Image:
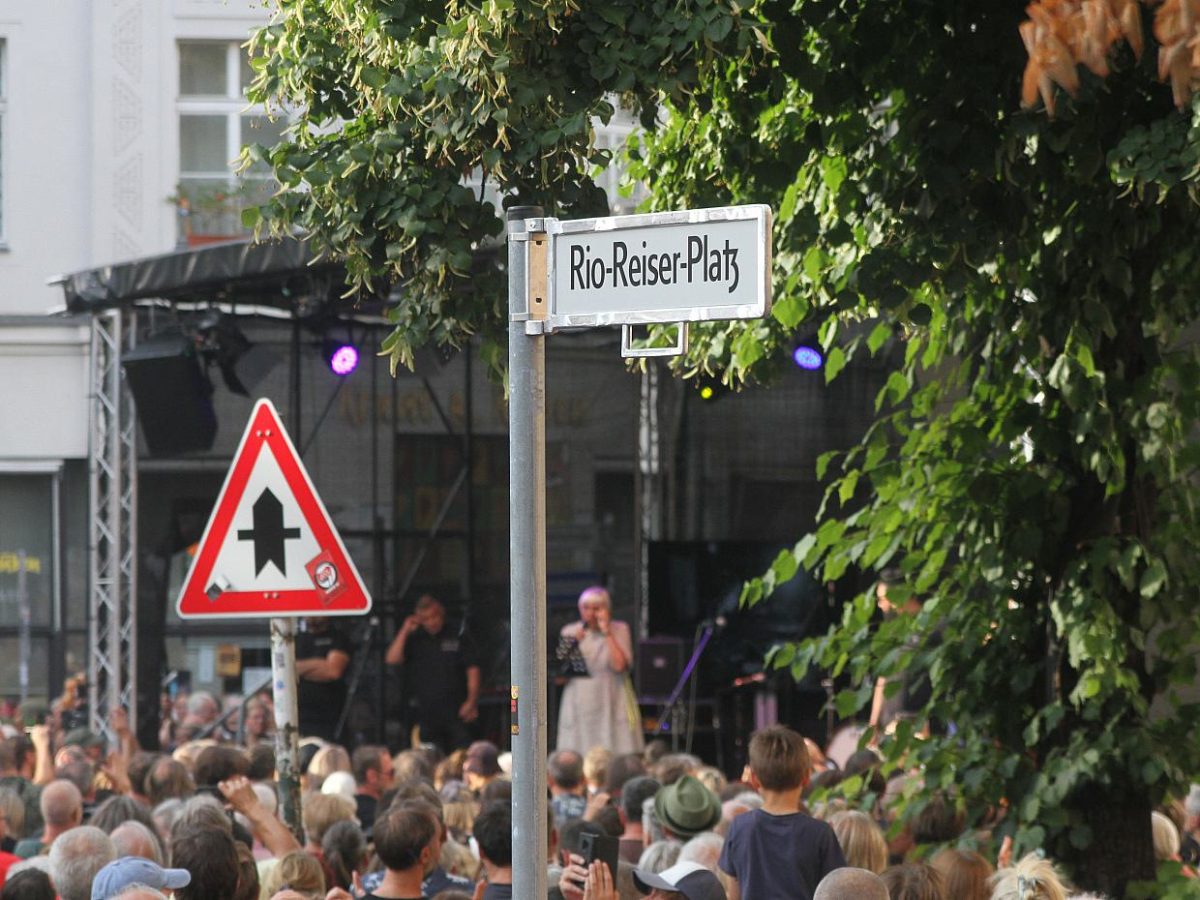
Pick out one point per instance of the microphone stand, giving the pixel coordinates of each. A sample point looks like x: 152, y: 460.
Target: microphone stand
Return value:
x: 705, y: 630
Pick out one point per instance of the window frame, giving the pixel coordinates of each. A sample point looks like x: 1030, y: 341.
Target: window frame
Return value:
x: 54, y: 633
x: 234, y: 108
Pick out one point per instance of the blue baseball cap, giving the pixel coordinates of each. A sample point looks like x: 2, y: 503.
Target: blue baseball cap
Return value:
x: 120, y: 873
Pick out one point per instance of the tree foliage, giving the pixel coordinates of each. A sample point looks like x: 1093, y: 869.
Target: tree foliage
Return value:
x: 1032, y: 468
x: 396, y: 103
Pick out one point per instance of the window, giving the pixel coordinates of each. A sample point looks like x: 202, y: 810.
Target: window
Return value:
x: 28, y: 590
x: 214, y: 124
x: 613, y: 137
x: 3, y: 128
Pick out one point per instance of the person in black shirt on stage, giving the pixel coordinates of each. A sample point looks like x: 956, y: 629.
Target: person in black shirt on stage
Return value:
x: 322, y: 656
x: 444, y: 675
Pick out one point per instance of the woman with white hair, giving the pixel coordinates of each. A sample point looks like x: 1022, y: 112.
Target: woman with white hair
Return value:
x: 599, y: 709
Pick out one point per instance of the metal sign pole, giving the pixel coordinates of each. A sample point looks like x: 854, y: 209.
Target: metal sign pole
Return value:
x: 287, y: 722
x: 527, y: 304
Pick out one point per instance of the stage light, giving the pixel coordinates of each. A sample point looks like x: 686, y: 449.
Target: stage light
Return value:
x: 808, y: 356
x: 243, y: 365
x: 343, y: 359
x: 710, y: 389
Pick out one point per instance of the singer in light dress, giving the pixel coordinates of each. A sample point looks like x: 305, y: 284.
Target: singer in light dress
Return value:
x: 600, y: 709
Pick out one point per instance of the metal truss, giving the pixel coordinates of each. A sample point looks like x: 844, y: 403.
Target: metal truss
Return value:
x: 112, y: 500
x: 648, y: 482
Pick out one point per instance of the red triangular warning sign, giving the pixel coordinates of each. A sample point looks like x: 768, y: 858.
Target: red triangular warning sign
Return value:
x: 270, y: 548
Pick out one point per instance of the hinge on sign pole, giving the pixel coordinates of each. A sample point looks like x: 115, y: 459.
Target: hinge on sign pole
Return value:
x: 677, y: 349
x: 539, y: 301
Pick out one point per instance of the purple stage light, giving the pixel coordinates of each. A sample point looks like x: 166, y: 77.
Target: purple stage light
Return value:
x: 344, y: 360
x: 808, y: 358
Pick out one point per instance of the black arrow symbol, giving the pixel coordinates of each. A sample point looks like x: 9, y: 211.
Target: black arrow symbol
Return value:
x: 268, y: 533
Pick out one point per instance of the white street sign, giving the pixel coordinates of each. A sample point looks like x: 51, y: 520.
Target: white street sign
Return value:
x: 691, y: 266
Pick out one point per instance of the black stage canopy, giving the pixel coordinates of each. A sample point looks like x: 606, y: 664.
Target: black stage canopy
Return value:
x: 272, y: 273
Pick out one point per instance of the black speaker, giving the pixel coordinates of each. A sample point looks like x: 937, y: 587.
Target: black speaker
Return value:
x: 659, y: 664
x: 172, y: 394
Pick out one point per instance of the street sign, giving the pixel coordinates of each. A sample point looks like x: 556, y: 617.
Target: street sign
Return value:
x: 270, y: 548
x: 691, y: 266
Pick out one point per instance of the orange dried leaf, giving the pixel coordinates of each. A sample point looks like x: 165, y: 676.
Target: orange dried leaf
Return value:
x: 1129, y: 17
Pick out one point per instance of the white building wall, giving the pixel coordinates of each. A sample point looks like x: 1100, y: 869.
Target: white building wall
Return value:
x: 43, y: 391
x: 88, y: 159
x: 46, y: 152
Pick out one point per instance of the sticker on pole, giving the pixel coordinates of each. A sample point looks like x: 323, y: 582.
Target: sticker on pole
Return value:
x: 270, y: 548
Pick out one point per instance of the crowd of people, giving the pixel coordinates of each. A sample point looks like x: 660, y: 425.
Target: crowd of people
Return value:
x: 81, y: 819
x: 78, y: 822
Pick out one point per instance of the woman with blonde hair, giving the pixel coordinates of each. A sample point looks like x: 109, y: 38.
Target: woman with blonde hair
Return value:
x: 12, y: 815
x: 298, y: 871
x: 965, y: 873
x: 459, y: 816
x: 1031, y: 878
x: 862, y: 841
x: 329, y: 759
x: 595, y: 768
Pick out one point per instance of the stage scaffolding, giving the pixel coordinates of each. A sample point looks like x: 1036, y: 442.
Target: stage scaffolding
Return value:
x: 112, y: 527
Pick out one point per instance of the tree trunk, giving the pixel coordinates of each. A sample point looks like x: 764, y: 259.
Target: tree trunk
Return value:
x: 1122, y: 846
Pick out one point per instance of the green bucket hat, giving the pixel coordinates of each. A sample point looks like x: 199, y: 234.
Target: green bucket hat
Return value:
x: 687, y: 807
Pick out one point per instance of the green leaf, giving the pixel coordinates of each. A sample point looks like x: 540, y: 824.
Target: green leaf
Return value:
x: 847, y: 487
x: 790, y: 311
x: 897, y: 387
x: 1153, y: 579
x: 785, y: 566
x: 752, y: 593
x: 719, y: 28
x: 1083, y: 353
x: 803, y: 547
x: 835, y: 361
x: 1089, y: 687
x: 374, y: 77
x: 833, y: 173
x: 879, y: 334
x: 846, y: 703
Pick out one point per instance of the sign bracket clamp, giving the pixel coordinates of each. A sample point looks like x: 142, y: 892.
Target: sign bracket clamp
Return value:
x: 628, y: 351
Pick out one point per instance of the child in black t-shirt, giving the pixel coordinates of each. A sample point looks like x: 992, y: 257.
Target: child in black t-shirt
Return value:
x: 778, y: 851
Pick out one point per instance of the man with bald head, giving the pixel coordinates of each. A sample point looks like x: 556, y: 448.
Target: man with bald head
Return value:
x: 62, y: 809
x: 851, y: 884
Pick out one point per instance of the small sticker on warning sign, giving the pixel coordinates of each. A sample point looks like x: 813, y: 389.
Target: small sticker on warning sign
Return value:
x: 325, y: 577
